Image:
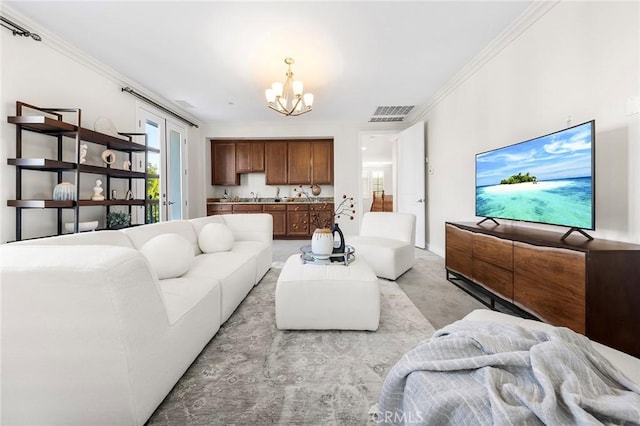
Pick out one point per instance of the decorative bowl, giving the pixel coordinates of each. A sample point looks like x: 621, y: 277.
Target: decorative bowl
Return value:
x: 82, y: 226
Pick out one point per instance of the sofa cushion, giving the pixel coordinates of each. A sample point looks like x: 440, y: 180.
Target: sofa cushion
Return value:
x: 139, y: 235
x: 215, y: 237
x: 180, y: 295
x: 170, y: 255
x: 234, y: 270
x: 388, y: 258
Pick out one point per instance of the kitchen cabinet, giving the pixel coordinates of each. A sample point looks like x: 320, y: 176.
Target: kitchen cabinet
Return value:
x: 290, y: 220
x: 247, y: 208
x: 279, y: 214
x: 213, y: 209
x: 284, y: 162
x: 250, y: 157
x: 310, y: 162
x: 298, y: 220
x: 299, y: 162
x: 275, y: 159
x: 223, y: 163
x: 321, y: 215
x: 322, y: 162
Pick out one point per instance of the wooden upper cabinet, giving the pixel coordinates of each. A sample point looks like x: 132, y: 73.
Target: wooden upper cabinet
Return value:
x: 299, y: 162
x: 322, y: 162
x: 223, y: 164
x: 290, y: 162
x: 275, y: 161
x: 249, y: 156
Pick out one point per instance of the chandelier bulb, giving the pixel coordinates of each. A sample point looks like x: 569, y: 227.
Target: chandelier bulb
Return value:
x: 277, y: 88
x: 297, y: 87
x: 308, y: 99
x: 270, y: 95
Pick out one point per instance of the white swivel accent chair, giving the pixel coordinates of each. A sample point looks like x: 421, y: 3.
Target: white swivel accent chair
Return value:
x: 386, y: 242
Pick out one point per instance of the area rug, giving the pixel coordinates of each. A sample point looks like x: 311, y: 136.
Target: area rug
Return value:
x: 251, y: 373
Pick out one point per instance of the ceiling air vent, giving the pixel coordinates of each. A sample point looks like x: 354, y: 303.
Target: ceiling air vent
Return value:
x: 183, y: 103
x: 391, y: 113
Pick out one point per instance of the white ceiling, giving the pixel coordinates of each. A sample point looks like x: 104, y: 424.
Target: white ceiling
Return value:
x: 220, y: 56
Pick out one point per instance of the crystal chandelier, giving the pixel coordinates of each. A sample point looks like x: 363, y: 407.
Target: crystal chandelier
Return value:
x: 287, y: 98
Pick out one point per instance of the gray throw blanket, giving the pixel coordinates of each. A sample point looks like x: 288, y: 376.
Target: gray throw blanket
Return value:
x: 474, y: 372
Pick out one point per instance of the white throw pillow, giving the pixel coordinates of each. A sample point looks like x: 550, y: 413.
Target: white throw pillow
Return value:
x: 170, y: 255
x: 215, y: 237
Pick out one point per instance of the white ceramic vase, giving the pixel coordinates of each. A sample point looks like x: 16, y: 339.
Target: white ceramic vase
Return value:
x: 322, y: 243
x: 64, y: 191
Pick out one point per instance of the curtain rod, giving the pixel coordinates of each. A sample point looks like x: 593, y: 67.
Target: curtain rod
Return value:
x: 157, y: 105
x: 17, y: 29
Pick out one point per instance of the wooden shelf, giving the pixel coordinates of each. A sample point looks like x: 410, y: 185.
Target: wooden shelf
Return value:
x: 111, y: 203
x: 110, y: 141
x: 50, y: 126
x: 51, y: 204
x: 40, y: 204
x: 42, y: 164
x: 45, y: 164
x: 42, y: 124
x: 118, y: 173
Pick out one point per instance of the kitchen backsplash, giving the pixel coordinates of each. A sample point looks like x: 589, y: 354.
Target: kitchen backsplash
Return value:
x: 255, y: 182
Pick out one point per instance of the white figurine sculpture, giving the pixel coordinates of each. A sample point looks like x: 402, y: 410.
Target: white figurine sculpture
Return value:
x: 97, y: 191
x: 83, y: 153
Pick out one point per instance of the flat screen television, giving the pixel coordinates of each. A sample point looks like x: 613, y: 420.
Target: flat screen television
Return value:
x: 549, y: 179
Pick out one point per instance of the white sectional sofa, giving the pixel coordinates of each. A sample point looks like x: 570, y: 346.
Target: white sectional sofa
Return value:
x: 95, y: 330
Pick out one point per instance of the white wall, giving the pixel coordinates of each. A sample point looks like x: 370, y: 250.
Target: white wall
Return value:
x: 578, y: 60
x: 39, y: 73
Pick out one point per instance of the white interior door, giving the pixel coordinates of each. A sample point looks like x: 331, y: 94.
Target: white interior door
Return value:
x: 411, y: 178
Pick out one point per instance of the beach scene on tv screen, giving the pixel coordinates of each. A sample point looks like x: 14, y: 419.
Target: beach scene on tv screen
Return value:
x: 546, y: 180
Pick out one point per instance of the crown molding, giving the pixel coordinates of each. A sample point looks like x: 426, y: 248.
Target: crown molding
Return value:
x: 81, y: 57
x: 536, y: 10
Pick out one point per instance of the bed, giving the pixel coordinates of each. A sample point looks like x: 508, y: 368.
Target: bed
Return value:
x: 493, y: 368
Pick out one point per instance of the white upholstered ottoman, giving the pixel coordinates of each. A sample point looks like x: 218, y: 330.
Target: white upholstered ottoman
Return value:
x: 327, y: 297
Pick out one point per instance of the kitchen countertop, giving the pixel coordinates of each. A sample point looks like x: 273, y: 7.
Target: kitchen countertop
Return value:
x: 296, y: 200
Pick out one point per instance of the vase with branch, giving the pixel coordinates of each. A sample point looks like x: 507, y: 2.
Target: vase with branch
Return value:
x: 324, y: 242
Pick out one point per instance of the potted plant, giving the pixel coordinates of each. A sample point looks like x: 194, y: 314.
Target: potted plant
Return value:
x: 118, y: 220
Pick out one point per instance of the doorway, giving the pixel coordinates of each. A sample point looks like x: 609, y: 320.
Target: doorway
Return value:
x: 393, y: 164
x: 167, y: 188
x: 378, y: 154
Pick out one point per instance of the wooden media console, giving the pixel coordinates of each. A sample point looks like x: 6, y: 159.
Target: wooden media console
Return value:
x: 590, y: 286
